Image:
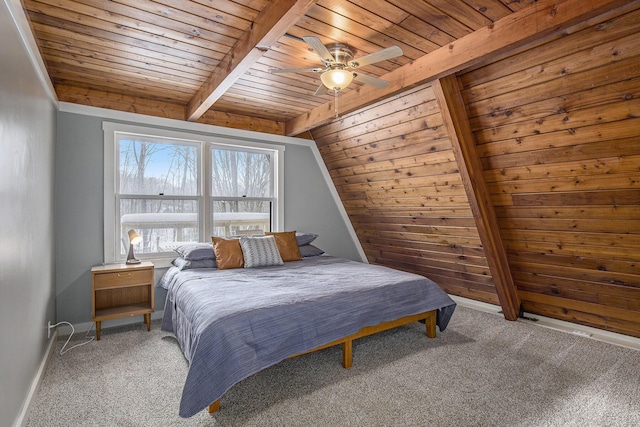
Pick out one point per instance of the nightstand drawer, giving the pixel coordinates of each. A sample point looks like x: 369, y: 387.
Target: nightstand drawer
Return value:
x: 122, y: 278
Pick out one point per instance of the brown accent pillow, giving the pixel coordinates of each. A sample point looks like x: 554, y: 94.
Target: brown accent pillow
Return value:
x: 287, y: 245
x: 228, y: 253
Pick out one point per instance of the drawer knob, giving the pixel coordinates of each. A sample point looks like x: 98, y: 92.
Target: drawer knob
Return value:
x: 124, y: 274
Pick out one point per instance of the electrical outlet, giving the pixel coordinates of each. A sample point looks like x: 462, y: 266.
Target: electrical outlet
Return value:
x: 49, y: 329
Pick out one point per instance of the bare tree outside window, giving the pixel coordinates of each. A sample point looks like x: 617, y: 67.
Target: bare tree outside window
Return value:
x: 241, y: 183
x: 148, y: 167
x: 159, y: 192
x: 160, y: 170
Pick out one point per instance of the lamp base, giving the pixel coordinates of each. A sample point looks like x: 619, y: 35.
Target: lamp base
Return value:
x: 131, y: 258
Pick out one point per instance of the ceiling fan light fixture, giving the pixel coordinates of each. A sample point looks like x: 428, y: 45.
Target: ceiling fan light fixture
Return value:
x: 336, y: 79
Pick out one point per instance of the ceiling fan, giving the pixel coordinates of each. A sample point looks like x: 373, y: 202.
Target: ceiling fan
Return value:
x: 338, y: 61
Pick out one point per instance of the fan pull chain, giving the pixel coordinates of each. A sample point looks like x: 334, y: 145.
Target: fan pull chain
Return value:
x: 335, y: 91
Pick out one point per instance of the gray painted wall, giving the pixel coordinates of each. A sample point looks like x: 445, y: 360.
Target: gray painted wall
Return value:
x: 309, y: 206
x: 27, y: 289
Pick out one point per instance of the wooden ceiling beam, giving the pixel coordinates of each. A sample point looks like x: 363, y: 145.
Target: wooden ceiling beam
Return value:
x: 454, y: 114
x: 270, y: 25
x: 540, y: 20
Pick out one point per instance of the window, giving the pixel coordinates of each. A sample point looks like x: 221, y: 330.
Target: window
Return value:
x: 241, y: 191
x: 158, y: 191
x: 174, y: 188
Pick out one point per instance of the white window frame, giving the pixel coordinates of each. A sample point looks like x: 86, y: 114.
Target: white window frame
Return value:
x: 111, y: 197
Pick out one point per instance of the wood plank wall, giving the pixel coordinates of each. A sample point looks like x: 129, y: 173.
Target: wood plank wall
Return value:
x: 393, y: 166
x: 557, y: 128
x: 558, y: 131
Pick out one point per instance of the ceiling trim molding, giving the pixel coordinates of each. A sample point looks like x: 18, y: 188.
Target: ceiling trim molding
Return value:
x: 143, y: 119
x: 270, y: 25
x: 24, y: 29
x: 536, y: 22
x: 338, y: 201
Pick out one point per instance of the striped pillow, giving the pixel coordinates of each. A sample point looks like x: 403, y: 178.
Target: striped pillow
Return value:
x: 260, y: 251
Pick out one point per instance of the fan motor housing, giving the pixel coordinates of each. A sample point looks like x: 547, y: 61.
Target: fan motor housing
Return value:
x: 342, y: 53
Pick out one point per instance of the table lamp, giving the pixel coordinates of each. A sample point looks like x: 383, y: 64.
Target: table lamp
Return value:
x: 134, y: 239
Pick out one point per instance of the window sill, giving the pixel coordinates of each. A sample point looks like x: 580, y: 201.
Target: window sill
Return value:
x: 163, y: 262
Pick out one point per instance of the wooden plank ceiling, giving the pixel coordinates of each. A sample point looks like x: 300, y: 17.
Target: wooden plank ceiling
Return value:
x: 209, y: 61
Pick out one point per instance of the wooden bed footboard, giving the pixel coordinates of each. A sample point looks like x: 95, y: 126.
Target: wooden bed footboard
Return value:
x: 429, y: 318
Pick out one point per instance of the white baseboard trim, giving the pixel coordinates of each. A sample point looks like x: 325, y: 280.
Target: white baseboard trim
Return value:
x: 477, y: 305
x: 23, y: 417
x: 64, y: 330
x: 556, y: 324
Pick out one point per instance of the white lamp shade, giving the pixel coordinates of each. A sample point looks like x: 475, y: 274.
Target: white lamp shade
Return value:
x: 336, y: 79
x: 134, y: 237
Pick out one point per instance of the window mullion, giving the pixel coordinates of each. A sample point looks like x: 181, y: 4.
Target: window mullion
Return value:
x: 205, y: 191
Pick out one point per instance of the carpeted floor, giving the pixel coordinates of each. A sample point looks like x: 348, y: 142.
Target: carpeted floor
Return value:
x: 482, y: 371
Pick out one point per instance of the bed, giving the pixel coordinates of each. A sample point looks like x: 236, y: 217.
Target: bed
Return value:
x: 231, y: 324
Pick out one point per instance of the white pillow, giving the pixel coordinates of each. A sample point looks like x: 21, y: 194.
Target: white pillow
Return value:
x: 260, y: 251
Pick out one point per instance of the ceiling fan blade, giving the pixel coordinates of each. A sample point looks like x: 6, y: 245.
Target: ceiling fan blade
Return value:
x: 296, y: 70
x: 370, y: 80
x: 372, y: 58
x: 321, y: 90
x: 320, y: 49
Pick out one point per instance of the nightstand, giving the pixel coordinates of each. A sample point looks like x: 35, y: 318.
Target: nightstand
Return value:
x: 121, y: 290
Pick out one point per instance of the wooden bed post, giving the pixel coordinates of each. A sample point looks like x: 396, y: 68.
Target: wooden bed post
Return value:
x: 430, y: 323
x: 214, y: 407
x: 347, y: 354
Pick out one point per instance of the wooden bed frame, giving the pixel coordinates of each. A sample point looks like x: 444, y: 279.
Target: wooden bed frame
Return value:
x: 429, y: 318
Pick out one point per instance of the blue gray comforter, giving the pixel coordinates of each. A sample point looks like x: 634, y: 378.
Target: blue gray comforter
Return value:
x: 231, y: 324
